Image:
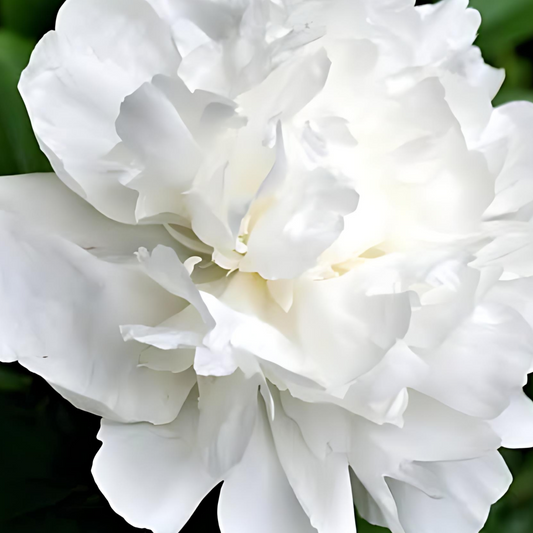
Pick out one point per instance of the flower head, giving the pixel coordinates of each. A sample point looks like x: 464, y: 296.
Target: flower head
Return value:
x: 290, y: 249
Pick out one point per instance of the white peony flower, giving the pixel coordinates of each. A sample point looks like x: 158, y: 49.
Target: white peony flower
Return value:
x: 289, y: 247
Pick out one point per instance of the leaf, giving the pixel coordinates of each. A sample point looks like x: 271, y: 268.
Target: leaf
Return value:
x: 513, y: 94
x: 19, y: 151
x: 364, y: 527
x: 506, y: 23
x: 32, y: 18
x: 11, y: 381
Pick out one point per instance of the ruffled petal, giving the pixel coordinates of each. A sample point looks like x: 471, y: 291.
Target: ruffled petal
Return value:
x: 60, y: 313
x: 439, y: 457
x: 44, y: 201
x: 155, y: 135
x: 256, y: 496
x: 153, y: 476
x: 288, y: 239
x: 481, y: 363
x: 165, y: 268
x: 480, y: 482
x: 322, y: 485
x: 505, y: 146
x: 78, y: 76
x: 515, y: 424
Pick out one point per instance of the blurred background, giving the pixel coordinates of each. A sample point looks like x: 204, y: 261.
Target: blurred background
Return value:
x: 47, y: 446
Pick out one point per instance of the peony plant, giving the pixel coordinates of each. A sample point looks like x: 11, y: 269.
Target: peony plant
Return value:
x: 288, y: 246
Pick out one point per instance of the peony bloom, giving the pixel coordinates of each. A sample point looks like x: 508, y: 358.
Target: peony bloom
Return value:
x: 288, y: 246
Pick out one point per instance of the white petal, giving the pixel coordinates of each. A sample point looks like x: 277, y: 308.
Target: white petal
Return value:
x: 288, y: 239
x: 509, y: 157
x: 164, y: 267
x: 468, y: 488
x: 479, y: 366
x: 381, y: 394
x: 516, y: 294
x: 167, y: 360
x: 44, y: 201
x: 515, y: 424
x: 168, y: 156
x: 214, y: 363
x: 238, y: 332
x: 282, y: 291
x: 289, y: 88
x: 434, y: 444
x: 322, y: 485
x: 153, y: 476
x: 335, y: 318
x: 510, y: 247
x: 186, y: 329
x: 78, y: 76
x: 445, y: 304
x: 256, y: 496
x: 450, y: 25
x: 60, y: 313
x: 160, y: 337
x: 228, y: 408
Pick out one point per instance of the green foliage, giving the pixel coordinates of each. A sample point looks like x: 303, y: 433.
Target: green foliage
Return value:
x: 31, y: 18
x: 506, y: 23
x: 506, y: 39
x: 19, y: 152
x: 47, y: 446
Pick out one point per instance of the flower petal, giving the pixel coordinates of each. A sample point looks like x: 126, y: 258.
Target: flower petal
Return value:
x: 153, y: 476
x: 101, y: 51
x: 256, y: 496
x: 44, y: 201
x: 165, y: 268
x: 60, y: 312
x: 154, y: 133
x: 480, y: 482
x: 228, y: 410
x: 515, y: 424
x: 426, y: 458
x: 322, y: 485
x: 481, y: 363
x: 289, y: 237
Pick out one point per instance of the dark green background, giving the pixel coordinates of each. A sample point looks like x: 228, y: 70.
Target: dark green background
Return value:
x: 47, y: 446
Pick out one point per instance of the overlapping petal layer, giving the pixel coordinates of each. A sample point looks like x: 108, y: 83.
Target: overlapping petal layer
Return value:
x: 296, y: 258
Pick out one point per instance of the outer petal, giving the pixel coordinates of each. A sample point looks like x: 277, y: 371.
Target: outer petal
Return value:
x: 153, y: 476
x: 479, y: 366
x: 46, y: 203
x: 60, y: 312
x: 508, y: 153
x: 427, y: 458
x: 515, y: 424
x: 427, y: 454
x: 256, y: 496
x: 78, y: 76
x: 322, y: 485
x: 468, y: 488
